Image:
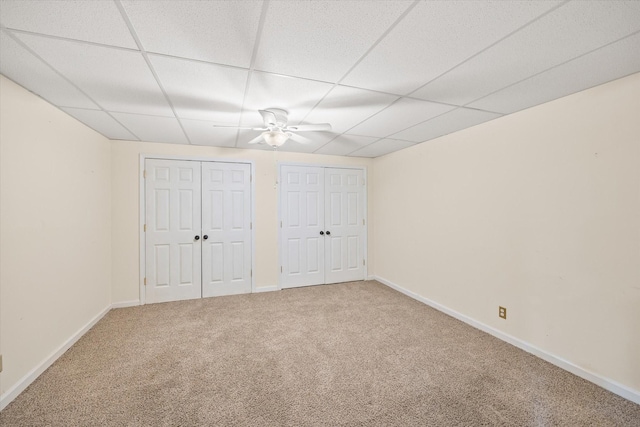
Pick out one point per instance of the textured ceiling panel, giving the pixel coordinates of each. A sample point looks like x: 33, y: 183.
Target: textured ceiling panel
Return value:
x: 382, y: 147
x: 25, y: 69
x: 218, y: 31
x: 436, y: 36
x: 153, y: 128
x: 101, y: 122
x: 297, y: 96
x: 571, y: 30
x: 307, y: 142
x: 322, y: 39
x: 405, y: 66
x: 345, y: 144
x: 345, y: 107
x: 200, y: 90
x: 452, y: 121
x: 604, y: 65
x: 204, y: 133
x: 399, y: 116
x: 116, y: 79
x: 93, y: 21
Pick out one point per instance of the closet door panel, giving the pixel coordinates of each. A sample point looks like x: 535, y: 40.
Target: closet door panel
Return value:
x: 302, y: 213
x: 226, y: 221
x: 344, y: 220
x: 173, y: 210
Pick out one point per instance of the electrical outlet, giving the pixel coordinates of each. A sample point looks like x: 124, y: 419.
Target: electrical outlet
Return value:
x: 502, y: 312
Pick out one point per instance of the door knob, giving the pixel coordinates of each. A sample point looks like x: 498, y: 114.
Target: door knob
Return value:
x: 205, y: 237
x: 197, y: 237
x: 328, y: 233
x: 322, y: 233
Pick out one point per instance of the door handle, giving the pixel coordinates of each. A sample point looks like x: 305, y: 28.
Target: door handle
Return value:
x: 197, y: 237
x: 322, y: 233
x: 205, y: 237
x: 328, y: 233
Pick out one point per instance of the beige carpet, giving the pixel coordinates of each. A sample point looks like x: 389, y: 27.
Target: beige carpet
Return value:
x: 348, y: 354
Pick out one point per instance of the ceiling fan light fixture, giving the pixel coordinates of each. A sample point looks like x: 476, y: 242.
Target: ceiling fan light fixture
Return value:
x: 275, y: 138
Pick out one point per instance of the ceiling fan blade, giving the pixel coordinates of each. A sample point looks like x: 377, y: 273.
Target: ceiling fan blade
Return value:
x: 268, y: 117
x: 300, y: 139
x: 257, y: 140
x: 310, y: 127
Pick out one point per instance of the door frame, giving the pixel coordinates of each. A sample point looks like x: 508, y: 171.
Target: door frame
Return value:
x: 142, y: 211
x: 364, y: 213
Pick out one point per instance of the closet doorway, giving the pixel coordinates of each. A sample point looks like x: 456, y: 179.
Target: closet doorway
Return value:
x: 322, y: 225
x: 197, y: 229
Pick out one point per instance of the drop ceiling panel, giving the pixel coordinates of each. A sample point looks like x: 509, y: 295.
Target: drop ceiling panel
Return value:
x: 450, y: 122
x: 101, y: 122
x: 116, y: 79
x: 201, y: 90
x: 399, y: 116
x: 345, y: 107
x: 345, y: 144
x: 94, y: 21
x: 22, y: 67
x: 310, y: 143
x: 153, y: 128
x: 604, y: 65
x: 571, y: 30
x: 322, y: 39
x: 297, y: 96
x: 218, y: 31
x: 435, y: 37
x: 204, y: 133
x: 382, y: 147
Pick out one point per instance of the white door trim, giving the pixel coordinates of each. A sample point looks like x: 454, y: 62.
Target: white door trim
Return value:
x: 142, y: 214
x: 365, y: 213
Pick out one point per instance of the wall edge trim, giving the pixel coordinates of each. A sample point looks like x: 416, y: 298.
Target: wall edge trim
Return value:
x: 606, y: 383
x: 24, y: 382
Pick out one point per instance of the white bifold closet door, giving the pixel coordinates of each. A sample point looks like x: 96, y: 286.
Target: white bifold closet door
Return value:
x: 323, y: 225
x: 198, y: 229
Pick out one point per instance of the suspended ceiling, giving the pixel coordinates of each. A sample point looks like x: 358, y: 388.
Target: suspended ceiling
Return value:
x: 386, y: 74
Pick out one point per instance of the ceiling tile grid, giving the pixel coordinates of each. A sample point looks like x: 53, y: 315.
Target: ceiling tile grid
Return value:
x: 381, y: 147
x: 153, y: 128
x: 452, y: 121
x: 565, y: 33
x: 91, y: 21
x: 101, y: 122
x: 118, y: 80
x: 568, y: 78
x: 297, y: 35
x: 437, y: 36
x: 385, y: 74
x: 18, y: 64
x: 222, y: 32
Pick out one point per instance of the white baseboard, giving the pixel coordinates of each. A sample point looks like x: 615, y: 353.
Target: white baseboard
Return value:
x: 123, y: 304
x: 8, y: 396
x: 606, y: 383
x: 266, y: 289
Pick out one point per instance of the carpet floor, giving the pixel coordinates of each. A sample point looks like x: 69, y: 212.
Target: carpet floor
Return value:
x: 352, y: 354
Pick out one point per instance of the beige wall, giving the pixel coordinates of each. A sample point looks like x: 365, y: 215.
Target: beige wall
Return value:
x: 55, y: 229
x: 539, y: 212
x: 125, y: 161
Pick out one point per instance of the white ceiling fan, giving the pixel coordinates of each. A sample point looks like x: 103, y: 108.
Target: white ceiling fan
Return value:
x: 276, y: 131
